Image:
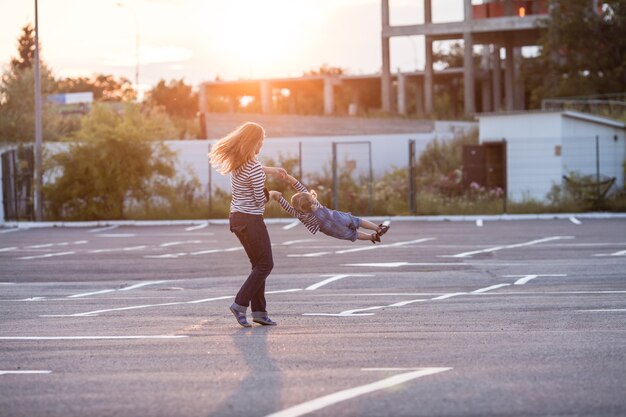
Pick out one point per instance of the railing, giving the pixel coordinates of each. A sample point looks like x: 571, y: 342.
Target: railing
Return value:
x: 608, y: 105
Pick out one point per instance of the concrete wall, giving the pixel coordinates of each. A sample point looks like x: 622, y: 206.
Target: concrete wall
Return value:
x: 388, y: 152
x: 532, y: 167
x: 579, y: 149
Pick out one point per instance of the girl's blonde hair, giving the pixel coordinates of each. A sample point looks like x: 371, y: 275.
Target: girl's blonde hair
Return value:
x: 304, y: 202
x: 237, y: 148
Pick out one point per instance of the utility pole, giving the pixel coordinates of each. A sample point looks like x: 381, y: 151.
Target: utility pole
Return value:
x: 38, y: 129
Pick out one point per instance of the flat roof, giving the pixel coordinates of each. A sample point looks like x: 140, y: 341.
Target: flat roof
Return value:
x: 565, y: 113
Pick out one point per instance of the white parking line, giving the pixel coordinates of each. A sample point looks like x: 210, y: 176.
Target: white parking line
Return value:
x: 493, y: 287
x: 49, y: 245
x: 399, y: 264
x: 47, y: 255
x: 91, y: 337
x: 130, y: 248
x: 293, y: 242
x: 8, y: 249
x: 102, y: 229
x: 340, y: 396
x: 362, y: 248
x: 204, y: 252
x: 497, y: 248
x: 479, y: 222
x: 619, y: 253
x: 118, y: 235
x: 24, y: 372
x: 525, y: 278
x: 606, y: 310
x: 334, y: 278
x: 574, y: 220
x: 165, y: 245
x: 307, y: 255
x: 200, y: 226
x: 138, y: 307
x: 291, y: 225
x: 129, y: 288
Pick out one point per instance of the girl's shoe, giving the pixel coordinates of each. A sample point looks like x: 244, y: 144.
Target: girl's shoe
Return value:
x: 375, y: 237
x: 241, y: 317
x: 265, y: 321
x: 382, y: 229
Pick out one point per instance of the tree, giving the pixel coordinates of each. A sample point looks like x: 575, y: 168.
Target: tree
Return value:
x: 26, y: 49
x: 582, y: 51
x: 104, y: 87
x: 176, y: 97
x: 180, y: 103
x: 17, y: 96
x: 111, y: 164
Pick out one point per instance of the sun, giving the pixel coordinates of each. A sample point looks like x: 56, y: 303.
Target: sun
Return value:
x: 261, y: 35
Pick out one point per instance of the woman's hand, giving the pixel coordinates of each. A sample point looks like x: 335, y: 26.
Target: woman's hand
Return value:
x: 276, y: 171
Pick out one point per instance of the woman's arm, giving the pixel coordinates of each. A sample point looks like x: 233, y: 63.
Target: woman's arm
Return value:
x: 276, y: 171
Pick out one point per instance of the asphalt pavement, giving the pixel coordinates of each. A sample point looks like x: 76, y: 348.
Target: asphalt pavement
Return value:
x: 493, y: 318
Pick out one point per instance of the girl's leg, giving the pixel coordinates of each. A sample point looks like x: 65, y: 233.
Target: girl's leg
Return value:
x: 368, y: 225
x: 368, y: 236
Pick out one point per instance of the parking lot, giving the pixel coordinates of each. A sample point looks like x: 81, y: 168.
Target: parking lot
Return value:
x: 458, y: 318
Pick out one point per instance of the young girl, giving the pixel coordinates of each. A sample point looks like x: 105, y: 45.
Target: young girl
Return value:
x: 236, y: 154
x: 316, y: 217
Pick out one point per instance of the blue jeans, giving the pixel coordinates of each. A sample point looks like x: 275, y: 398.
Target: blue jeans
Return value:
x: 251, y: 231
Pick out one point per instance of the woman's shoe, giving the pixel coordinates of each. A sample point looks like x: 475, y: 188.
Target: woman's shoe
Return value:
x: 265, y: 321
x: 382, y: 229
x: 375, y: 237
x: 241, y: 317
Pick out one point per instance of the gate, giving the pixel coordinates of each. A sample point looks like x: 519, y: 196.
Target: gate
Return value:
x: 17, y: 183
x: 355, y: 160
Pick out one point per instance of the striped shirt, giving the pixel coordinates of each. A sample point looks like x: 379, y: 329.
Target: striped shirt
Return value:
x: 247, y: 183
x: 307, y: 219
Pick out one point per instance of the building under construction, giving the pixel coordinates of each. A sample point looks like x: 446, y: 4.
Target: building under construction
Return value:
x: 500, y: 27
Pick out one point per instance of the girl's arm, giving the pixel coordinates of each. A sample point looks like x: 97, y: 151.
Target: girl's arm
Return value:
x: 297, y: 185
x: 275, y: 195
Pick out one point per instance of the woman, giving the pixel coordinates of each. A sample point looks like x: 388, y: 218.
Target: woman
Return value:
x: 236, y: 154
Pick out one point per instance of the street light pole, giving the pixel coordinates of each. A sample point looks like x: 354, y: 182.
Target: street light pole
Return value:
x: 38, y: 129
x: 136, y: 44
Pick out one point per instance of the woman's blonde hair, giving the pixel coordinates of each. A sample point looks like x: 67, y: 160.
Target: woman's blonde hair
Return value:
x: 237, y: 148
x: 304, y: 202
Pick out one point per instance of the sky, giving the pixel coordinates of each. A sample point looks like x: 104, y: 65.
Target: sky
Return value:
x: 199, y: 40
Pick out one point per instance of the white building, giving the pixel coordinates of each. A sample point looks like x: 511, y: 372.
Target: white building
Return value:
x: 542, y: 147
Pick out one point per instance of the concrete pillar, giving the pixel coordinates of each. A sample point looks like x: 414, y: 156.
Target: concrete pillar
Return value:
x: 497, y: 78
x: 386, y: 75
x: 517, y: 83
x: 508, y: 8
x: 468, y: 75
x: 202, y: 104
x: 486, y: 83
x: 468, y: 62
x: 428, y: 65
x: 266, y: 97
x: 401, y: 93
x: 419, y: 98
x: 509, y: 76
x: 329, y: 96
